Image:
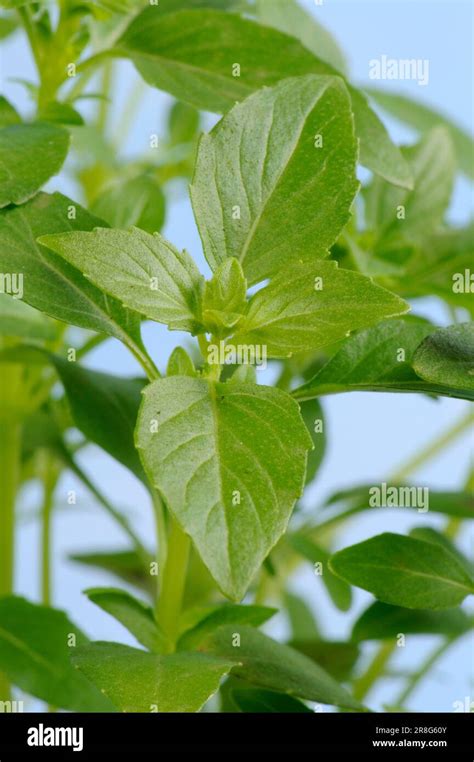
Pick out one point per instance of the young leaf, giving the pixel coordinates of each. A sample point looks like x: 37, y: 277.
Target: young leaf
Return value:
x: 136, y: 616
x: 302, y: 621
x: 262, y: 167
x: 262, y: 702
x: 423, y: 118
x: 61, y: 113
x: 19, y: 319
x: 35, y: 646
x: 380, y: 359
x: 139, y: 201
x: 143, y: 271
x: 381, y: 622
x: 312, y: 414
x: 359, y: 498
x: 339, y: 591
x: 22, y: 176
x: 308, y: 305
x: 223, y: 615
x: 191, y: 54
x: 124, y: 564
x: 288, y: 16
x: 338, y: 659
x: 447, y: 357
x: 51, y: 284
x: 404, y: 572
x: 136, y: 681
x: 8, y: 114
x: 183, y: 123
x: 224, y: 298
x: 180, y: 363
x: 229, y: 460
x: 105, y: 409
x: 402, y: 216
x: 275, y: 666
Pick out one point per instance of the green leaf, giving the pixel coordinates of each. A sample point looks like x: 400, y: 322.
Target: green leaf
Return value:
x: 224, y: 298
x: 223, y: 615
x: 136, y: 616
x: 447, y: 357
x: 8, y: 25
x: 8, y: 114
x: 405, y: 572
x: 105, y: 409
x: 432, y: 535
x: 263, y: 702
x: 302, y: 621
x: 424, y: 118
x: 191, y: 54
x: 19, y: 319
x: 288, y: 16
x: 383, y: 622
x: 50, y: 284
x: 339, y: 591
x: 433, y: 166
x: 180, y: 363
x: 21, y: 175
x: 229, y: 460
x: 381, y: 359
x: 61, y: 113
x: 183, y: 123
x: 312, y: 414
x: 139, y: 201
x: 309, y: 305
x: 275, y: 666
x: 124, y: 564
x: 35, y: 645
x: 143, y: 271
x: 359, y: 498
x: 272, y: 195
x: 338, y: 659
x: 136, y: 681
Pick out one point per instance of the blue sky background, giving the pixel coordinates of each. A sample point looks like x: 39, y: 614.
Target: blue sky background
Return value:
x: 369, y: 434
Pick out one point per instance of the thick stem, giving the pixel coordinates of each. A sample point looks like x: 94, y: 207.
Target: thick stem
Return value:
x: 174, y: 578
x: 10, y: 453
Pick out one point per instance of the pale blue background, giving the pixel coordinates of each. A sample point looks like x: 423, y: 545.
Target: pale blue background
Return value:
x: 369, y: 434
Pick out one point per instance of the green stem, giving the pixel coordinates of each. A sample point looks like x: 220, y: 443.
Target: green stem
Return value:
x: 161, y: 539
x: 10, y: 455
x: 107, y: 78
x: 117, y: 516
x: 29, y: 27
x: 433, y: 448
x: 422, y: 671
x: 49, y: 484
x: 144, y: 359
x: 174, y: 578
x: 404, y: 471
x: 364, y: 683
